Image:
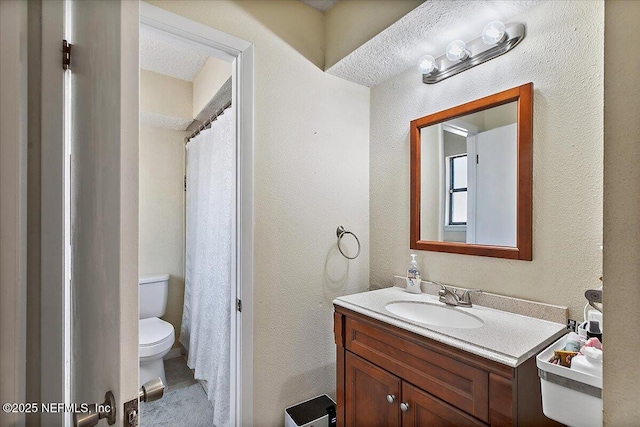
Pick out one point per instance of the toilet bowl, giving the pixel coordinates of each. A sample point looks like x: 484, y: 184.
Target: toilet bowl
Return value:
x: 156, y: 337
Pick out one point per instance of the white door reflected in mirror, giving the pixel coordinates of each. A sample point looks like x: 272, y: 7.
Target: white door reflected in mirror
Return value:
x: 469, y: 178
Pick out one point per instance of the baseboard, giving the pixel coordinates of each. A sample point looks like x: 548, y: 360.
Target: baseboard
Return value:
x: 173, y: 353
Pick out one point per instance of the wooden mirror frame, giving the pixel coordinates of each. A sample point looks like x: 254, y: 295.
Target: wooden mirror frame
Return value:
x: 523, y: 249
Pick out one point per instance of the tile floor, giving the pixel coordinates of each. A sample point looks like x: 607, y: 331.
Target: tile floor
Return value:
x: 178, y: 373
x: 184, y: 402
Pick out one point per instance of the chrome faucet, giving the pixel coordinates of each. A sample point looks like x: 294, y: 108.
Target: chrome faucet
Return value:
x: 447, y: 295
x: 450, y: 297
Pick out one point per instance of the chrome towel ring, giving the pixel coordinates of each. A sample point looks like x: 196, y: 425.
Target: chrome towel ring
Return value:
x: 340, y: 232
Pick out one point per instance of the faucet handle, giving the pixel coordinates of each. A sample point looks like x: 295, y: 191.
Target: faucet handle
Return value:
x: 442, y: 287
x: 466, y: 298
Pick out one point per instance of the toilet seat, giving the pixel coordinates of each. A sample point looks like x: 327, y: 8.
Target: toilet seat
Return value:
x: 155, y: 337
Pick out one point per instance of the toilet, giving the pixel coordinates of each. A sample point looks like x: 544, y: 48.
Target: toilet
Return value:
x: 156, y: 337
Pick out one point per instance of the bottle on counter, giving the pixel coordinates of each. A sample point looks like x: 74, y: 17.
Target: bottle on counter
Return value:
x: 413, y: 276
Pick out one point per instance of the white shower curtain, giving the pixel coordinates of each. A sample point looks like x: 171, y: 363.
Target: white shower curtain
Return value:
x: 206, y: 318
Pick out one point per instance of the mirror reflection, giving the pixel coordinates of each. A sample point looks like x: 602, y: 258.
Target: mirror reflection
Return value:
x: 468, y: 171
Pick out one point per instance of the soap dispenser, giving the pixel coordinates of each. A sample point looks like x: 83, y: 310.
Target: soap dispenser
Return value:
x: 413, y: 276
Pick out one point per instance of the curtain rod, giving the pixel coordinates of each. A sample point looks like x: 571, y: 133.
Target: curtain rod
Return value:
x: 207, y: 123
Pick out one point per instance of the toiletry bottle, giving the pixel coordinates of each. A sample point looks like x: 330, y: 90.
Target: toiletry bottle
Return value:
x: 594, y: 330
x: 413, y: 276
x: 573, y: 342
x: 590, y: 362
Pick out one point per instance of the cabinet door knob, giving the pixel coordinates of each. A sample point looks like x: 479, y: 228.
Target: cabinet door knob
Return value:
x: 404, y: 407
x: 391, y: 398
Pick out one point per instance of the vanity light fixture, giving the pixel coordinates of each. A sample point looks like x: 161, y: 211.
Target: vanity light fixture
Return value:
x: 457, y: 51
x: 496, y: 39
x: 493, y: 33
x: 427, y: 64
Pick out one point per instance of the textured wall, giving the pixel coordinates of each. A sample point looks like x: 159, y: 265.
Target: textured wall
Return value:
x: 621, y: 207
x: 311, y: 175
x: 165, y: 95
x: 162, y: 213
x: 568, y: 151
x: 165, y: 101
x: 349, y: 24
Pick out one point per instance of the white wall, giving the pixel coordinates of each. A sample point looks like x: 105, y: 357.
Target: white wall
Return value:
x: 500, y: 116
x: 166, y: 105
x: 621, y: 207
x: 208, y: 81
x: 168, y: 99
x: 311, y: 175
x: 567, y: 145
x: 430, y: 174
x: 162, y: 213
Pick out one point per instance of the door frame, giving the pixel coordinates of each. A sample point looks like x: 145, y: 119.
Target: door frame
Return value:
x: 224, y: 46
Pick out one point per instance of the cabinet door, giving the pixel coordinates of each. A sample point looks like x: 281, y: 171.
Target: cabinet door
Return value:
x: 426, y: 410
x: 367, y: 387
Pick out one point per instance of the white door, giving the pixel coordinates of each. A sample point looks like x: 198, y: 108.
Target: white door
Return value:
x: 99, y: 321
x: 496, y: 186
x: 104, y: 201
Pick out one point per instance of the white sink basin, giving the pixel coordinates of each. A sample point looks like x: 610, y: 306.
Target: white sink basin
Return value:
x: 434, y: 315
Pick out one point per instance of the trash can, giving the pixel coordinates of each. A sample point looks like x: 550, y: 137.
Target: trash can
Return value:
x: 571, y: 397
x: 317, y: 412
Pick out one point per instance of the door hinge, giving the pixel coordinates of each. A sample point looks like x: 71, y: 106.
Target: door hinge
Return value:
x: 185, y: 183
x: 66, y: 54
x: 477, y: 159
x: 239, y: 305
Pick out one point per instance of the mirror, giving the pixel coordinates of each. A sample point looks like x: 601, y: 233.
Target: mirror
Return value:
x: 471, y: 171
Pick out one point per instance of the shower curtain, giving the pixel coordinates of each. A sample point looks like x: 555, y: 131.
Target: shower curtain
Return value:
x: 206, y: 318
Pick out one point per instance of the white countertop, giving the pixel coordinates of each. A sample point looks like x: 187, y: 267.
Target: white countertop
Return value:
x: 505, y: 337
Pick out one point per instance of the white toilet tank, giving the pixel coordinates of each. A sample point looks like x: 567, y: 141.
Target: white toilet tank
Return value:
x: 153, y: 291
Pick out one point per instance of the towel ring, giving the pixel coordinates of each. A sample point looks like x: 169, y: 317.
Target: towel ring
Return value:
x: 340, y: 232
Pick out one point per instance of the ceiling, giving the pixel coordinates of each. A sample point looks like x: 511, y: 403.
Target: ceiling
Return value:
x: 321, y: 5
x: 159, y: 54
x: 425, y: 30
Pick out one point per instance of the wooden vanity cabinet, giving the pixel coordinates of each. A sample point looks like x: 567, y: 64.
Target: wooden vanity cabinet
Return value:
x: 390, y: 377
x: 367, y: 388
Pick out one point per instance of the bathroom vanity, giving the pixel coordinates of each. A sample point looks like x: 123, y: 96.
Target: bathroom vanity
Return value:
x: 397, y: 371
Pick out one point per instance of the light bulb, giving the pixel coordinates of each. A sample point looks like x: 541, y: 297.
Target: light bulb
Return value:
x: 493, y: 33
x: 457, y: 51
x: 427, y: 64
